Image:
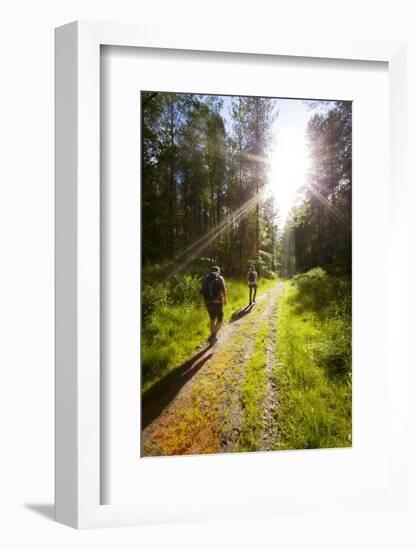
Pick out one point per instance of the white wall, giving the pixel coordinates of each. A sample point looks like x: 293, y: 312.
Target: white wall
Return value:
x: 26, y: 274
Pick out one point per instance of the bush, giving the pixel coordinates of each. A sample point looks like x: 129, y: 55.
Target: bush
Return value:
x: 329, y: 298
x: 325, y: 295
x: 181, y: 290
x: 334, y: 350
x: 262, y: 265
x: 153, y: 297
x: 185, y: 289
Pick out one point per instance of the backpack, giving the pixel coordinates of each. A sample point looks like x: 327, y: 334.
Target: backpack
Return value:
x: 211, y: 286
x: 252, y: 276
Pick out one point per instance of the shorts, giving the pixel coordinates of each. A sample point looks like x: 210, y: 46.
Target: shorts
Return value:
x: 215, y: 310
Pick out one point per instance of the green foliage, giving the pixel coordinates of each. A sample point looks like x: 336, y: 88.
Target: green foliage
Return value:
x: 326, y: 295
x: 185, y: 289
x: 262, y: 265
x: 181, y: 289
x: 313, y: 370
x: 169, y: 337
x: 153, y: 298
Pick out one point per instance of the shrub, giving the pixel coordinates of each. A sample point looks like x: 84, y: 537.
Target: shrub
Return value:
x: 325, y: 295
x: 185, y: 289
x: 262, y: 265
x: 154, y: 297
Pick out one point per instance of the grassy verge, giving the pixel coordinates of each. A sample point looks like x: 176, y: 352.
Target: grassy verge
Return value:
x: 171, y: 333
x: 313, y: 369
x: 253, y: 392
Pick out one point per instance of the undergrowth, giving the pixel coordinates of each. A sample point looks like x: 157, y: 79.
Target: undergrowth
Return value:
x: 313, y: 370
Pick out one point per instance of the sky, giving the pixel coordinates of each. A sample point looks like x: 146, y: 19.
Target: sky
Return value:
x: 288, y: 157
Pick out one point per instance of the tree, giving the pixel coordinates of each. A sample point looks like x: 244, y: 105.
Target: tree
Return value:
x: 202, y: 182
x: 321, y: 223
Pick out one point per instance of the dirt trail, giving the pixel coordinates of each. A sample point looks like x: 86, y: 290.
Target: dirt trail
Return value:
x: 197, y: 409
x: 271, y: 402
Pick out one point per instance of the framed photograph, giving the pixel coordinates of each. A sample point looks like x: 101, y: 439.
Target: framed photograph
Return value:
x: 227, y: 322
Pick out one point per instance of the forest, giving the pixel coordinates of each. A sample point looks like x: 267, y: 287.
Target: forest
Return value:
x: 205, y: 183
x: 206, y: 199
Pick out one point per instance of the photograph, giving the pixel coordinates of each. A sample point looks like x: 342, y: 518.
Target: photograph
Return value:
x: 246, y: 273
x: 208, y: 260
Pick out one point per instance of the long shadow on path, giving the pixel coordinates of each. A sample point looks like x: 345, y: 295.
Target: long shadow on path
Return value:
x: 161, y: 394
x: 241, y: 313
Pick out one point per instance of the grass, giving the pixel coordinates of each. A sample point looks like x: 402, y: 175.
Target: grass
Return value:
x: 253, y: 392
x: 172, y: 332
x: 313, y: 370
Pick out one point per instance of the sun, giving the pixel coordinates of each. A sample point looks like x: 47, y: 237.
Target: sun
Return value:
x: 289, y: 163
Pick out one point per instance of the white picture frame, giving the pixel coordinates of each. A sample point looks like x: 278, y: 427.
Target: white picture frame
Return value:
x: 77, y: 242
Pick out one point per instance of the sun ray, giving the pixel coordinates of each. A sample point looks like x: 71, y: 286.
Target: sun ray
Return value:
x: 210, y: 236
x: 256, y: 158
x: 234, y: 215
x: 339, y: 216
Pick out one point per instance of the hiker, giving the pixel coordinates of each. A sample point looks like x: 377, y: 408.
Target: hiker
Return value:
x: 215, y: 295
x: 252, y: 283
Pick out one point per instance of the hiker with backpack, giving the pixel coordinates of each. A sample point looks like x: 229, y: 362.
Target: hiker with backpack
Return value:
x: 252, y: 283
x: 215, y: 295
